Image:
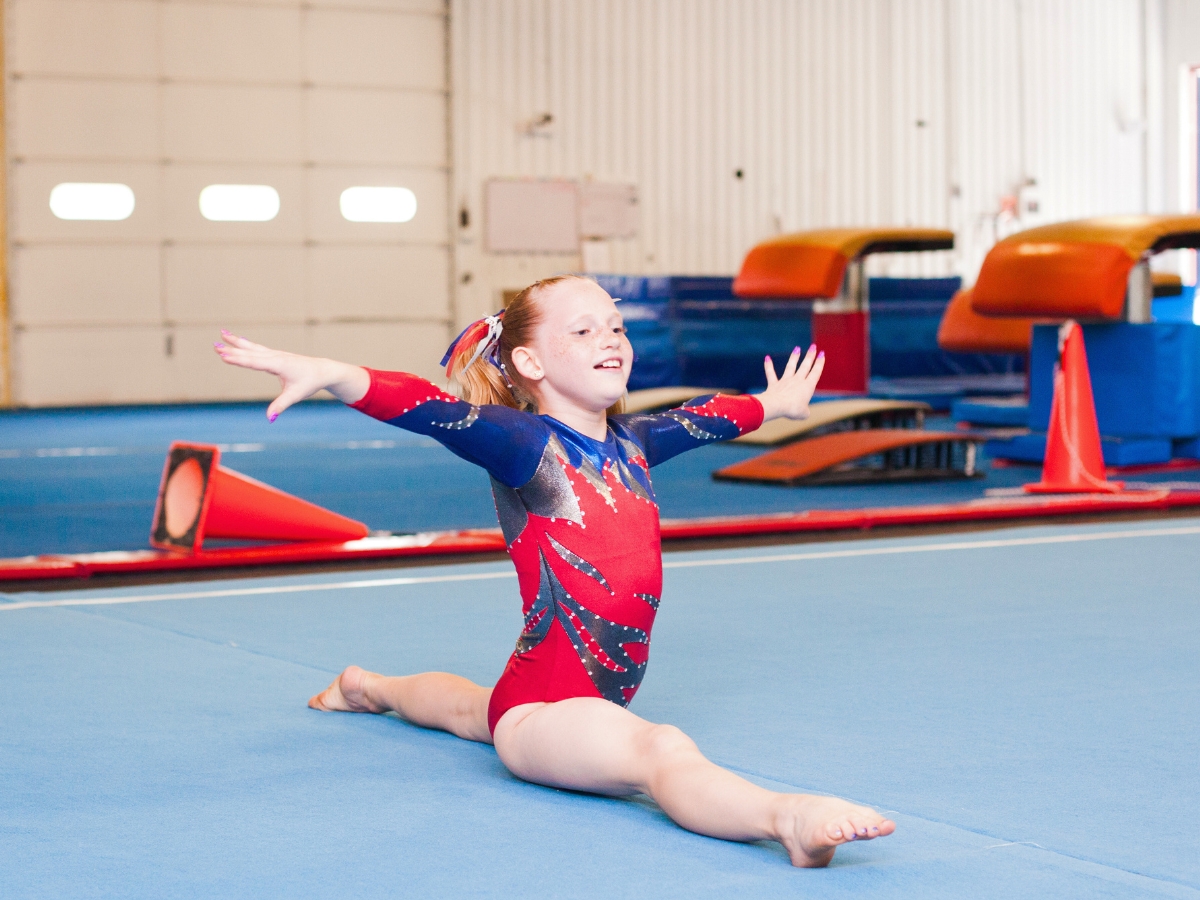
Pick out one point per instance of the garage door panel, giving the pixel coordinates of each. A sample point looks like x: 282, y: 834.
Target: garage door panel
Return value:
x: 375, y: 49
x: 326, y: 223
x: 234, y: 284
x: 91, y: 365
x: 214, y: 123
x: 377, y: 127
x: 84, y: 37
x: 101, y: 284
x: 84, y: 119
x: 350, y: 282
x: 32, y: 219
x: 182, y: 220
x: 231, y: 43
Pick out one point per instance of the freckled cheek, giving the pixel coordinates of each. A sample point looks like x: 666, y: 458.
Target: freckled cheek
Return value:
x: 565, y: 356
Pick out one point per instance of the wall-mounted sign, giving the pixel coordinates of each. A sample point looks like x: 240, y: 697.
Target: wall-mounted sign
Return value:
x: 553, y: 215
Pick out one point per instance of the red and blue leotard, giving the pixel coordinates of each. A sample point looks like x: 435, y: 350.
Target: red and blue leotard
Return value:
x: 580, y: 522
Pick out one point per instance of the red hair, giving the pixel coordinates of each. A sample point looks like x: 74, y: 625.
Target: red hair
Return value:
x: 482, y: 382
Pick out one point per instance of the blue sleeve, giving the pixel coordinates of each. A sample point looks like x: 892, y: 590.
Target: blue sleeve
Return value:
x: 506, y: 442
x: 698, y: 422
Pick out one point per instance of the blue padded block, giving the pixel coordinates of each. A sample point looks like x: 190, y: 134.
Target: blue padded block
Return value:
x: 1145, y: 378
x: 919, y: 289
x: 1176, y: 309
x: 1116, y: 451
x: 689, y: 287
x: 999, y: 412
x: 1187, y: 448
x: 623, y: 287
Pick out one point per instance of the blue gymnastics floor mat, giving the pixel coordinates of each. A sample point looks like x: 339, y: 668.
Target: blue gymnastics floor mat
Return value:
x: 1025, y: 704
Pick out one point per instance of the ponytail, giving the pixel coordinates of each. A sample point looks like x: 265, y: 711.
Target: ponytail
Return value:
x: 479, y: 363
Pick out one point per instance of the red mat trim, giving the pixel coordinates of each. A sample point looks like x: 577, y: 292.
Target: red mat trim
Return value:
x: 448, y: 543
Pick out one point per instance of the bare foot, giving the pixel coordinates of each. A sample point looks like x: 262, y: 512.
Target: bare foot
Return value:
x: 346, y: 694
x: 811, y: 828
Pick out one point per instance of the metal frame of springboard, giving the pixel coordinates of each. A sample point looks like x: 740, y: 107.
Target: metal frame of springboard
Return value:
x: 948, y: 459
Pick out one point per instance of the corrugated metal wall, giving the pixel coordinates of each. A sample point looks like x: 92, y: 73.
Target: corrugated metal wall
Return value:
x: 837, y: 112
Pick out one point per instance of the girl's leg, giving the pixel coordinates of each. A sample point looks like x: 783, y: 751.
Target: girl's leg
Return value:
x: 589, y: 744
x: 431, y: 700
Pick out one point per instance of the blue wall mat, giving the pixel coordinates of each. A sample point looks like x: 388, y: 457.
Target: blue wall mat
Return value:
x: 994, y: 411
x: 720, y: 339
x: 1176, y: 309
x: 1145, y: 378
x: 655, y: 362
x: 1031, y: 448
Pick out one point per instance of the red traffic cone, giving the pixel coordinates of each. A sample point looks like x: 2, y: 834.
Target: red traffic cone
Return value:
x: 1074, y: 463
x: 198, y: 498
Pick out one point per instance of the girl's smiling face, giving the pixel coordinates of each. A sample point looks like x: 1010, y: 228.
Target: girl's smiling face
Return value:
x: 579, y: 352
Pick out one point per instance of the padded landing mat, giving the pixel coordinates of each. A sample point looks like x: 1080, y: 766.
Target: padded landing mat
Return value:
x: 1025, y: 703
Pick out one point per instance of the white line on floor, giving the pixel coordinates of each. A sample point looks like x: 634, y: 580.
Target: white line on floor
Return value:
x: 936, y: 548
x: 669, y: 564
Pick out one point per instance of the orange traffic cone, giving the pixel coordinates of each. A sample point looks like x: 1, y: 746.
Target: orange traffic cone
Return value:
x: 1074, y: 463
x: 199, y: 498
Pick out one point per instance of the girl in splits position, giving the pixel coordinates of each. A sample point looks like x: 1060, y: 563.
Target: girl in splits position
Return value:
x: 541, y: 390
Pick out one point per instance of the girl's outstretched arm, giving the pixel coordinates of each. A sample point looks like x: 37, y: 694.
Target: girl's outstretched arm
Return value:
x: 299, y: 376
x: 507, y: 443
x: 787, y: 395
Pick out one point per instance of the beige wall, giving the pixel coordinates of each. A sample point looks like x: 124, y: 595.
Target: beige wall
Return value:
x: 170, y: 96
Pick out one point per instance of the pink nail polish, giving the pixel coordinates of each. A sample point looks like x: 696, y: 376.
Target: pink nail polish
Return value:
x: 812, y: 347
x: 821, y: 355
x: 219, y: 345
x: 796, y: 349
x: 272, y: 417
x: 766, y: 359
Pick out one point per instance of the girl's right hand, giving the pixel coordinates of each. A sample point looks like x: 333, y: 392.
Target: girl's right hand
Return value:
x: 299, y: 376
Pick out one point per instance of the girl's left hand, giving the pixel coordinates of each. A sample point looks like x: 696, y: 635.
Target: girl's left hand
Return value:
x: 788, y: 395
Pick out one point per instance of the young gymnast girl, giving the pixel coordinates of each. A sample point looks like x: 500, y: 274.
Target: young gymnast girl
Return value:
x: 541, y: 389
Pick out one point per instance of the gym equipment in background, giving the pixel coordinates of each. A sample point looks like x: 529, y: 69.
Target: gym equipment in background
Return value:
x: 855, y: 457
x: 1145, y: 374
x: 828, y: 268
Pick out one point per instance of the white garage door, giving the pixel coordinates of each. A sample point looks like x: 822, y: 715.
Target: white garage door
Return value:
x: 291, y: 103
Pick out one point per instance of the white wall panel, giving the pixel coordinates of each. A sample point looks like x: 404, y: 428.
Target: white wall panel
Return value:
x: 385, y: 282
x: 232, y: 123
x: 83, y: 37
x: 375, y: 127
x: 92, y: 365
x: 217, y: 42
x: 83, y: 119
x: 113, y: 284
x: 234, y: 285
x: 376, y: 49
